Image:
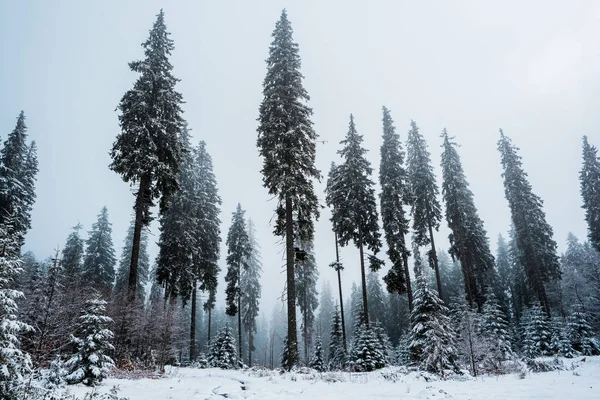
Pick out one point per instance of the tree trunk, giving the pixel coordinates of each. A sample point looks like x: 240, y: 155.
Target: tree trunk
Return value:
x: 292, y: 336
x: 137, y: 235
x: 250, y: 347
x: 209, y: 323
x: 240, y: 325
x: 193, y: 326
x: 364, y: 282
x: 435, y: 266
x: 467, y: 274
x: 409, y: 293
x: 337, y: 258
x: 305, y: 327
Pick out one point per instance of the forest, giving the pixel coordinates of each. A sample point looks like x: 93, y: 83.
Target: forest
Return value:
x: 83, y: 315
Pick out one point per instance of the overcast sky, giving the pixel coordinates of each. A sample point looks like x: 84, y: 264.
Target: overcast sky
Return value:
x: 473, y: 67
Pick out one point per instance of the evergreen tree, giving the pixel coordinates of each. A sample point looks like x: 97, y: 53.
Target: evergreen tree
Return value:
x: 425, y: 207
x: 99, y: 262
x: 307, y: 276
x: 495, y: 325
x: 222, y: 353
x: 287, y: 142
x: 452, y: 277
x: 575, y: 282
x: 351, y: 195
x: 366, y: 353
x: 251, y: 290
x: 504, y: 282
x: 337, y: 352
x: 239, y: 251
x: 537, y: 249
x: 472, y: 342
x: 580, y: 332
x: 72, y: 255
x: 378, y: 311
x: 468, y: 239
x: 125, y: 263
x: 561, y: 342
x: 589, y: 178
x: 317, y: 361
x: 147, y: 152
x: 394, y: 195
x: 537, y: 332
x: 18, y: 169
x: 326, y: 310
x: 14, y: 363
x: 91, y: 363
x: 432, y: 341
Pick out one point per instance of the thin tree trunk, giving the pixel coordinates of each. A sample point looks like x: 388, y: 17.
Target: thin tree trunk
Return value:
x: 209, y: 323
x: 292, y: 336
x: 250, y: 347
x: 409, y: 293
x: 305, y: 317
x: 467, y: 278
x: 137, y: 235
x: 364, y: 281
x: 193, y: 326
x: 240, y: 325
x: 337, y: 258
x: 435, y: 263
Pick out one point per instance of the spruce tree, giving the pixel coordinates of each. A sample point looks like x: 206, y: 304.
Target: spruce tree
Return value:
x: 317, y: 362
x: 495, y: 325
x: 251, y: 290
x: 15, y: 364
x: 504, y: 282
x: 287, y: 142
x: 394, y: 195
x: 537, y: 248
x: 367, y: 352
x: 72, y: 255
x: 589, y: 178
x: 307, y: 276
x: 147, y: 152
x: 425, y: 207
x: 351, y: 195
x: 99, y: 262
x: 239, y: 251
x: 582, y: 338
x: 18, y: 169
x: 452, y: 277
x: 222, y: 353
x: 326, y: 309
x: 468, y: 239
x: 90, y: 364
x: 537, y: 332
x: 378, y: 311
x: 337, y: 350
x: 432, y: 341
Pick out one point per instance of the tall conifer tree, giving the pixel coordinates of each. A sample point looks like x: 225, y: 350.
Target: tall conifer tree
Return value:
x: 143, y: 274
x: 72, y: 255
x: 287, y: 142
x: 394, y: 195
x: 468, y: 239
x: 147, y: 152
x: 537, y: 248
x: 426, y: 211
x: 251, y: 290
x: 351, y: 195
x: 307, y: 276
x: 589, y: 178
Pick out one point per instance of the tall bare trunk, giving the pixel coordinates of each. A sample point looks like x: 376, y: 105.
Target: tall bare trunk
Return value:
x: 339, y: 275
x: 435, y: 265
x: 240, y: 326
x: 193, y: 326
x: 137, y: 235
x: 409, y: 293
x: 292, y: 336
x: 364, y: 281
x: 209, y: 323
x: 250, y: 343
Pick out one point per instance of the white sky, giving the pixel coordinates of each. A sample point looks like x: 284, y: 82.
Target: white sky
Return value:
x: 470, y: 66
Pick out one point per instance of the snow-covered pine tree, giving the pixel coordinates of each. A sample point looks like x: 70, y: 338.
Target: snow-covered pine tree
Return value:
x: 495, y: 325
x: 385, y: 347
x: 14, y: 363
x: 402, y: 351
x: 589, y: 178
x: 356, y: 308
x: 432, y: 341
x: 468, y: 238
x: 537, y: 332
x: 147, y: 152
x: 317, y: 361
x: 307, y: 276
x: 239, y: 251
x: 251, y: 289
x: 99, y: 262
x: 287, y: 142
x: 337, y: 352
x: 222, y: 351
x: 425, y: 207
x: 72, y: 256
x: 537, y: 248
x: 504, y: 280
x: 18, y: 169
x: 394, y: 195
x: 577, y: 282
x: 90, y: 364
x: 561, y: 342
x: 326, y: 310
x: 378, y: 310
x: 580, y: 332
x: 351, y: 195
x: 143, y: 272
x: 452, y: 277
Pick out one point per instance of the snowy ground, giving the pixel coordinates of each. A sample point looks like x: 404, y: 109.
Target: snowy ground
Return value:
x: 580, y: 383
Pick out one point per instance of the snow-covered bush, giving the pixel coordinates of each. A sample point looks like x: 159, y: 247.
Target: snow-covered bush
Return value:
x: 54, y: 376
x: 90, y: 364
